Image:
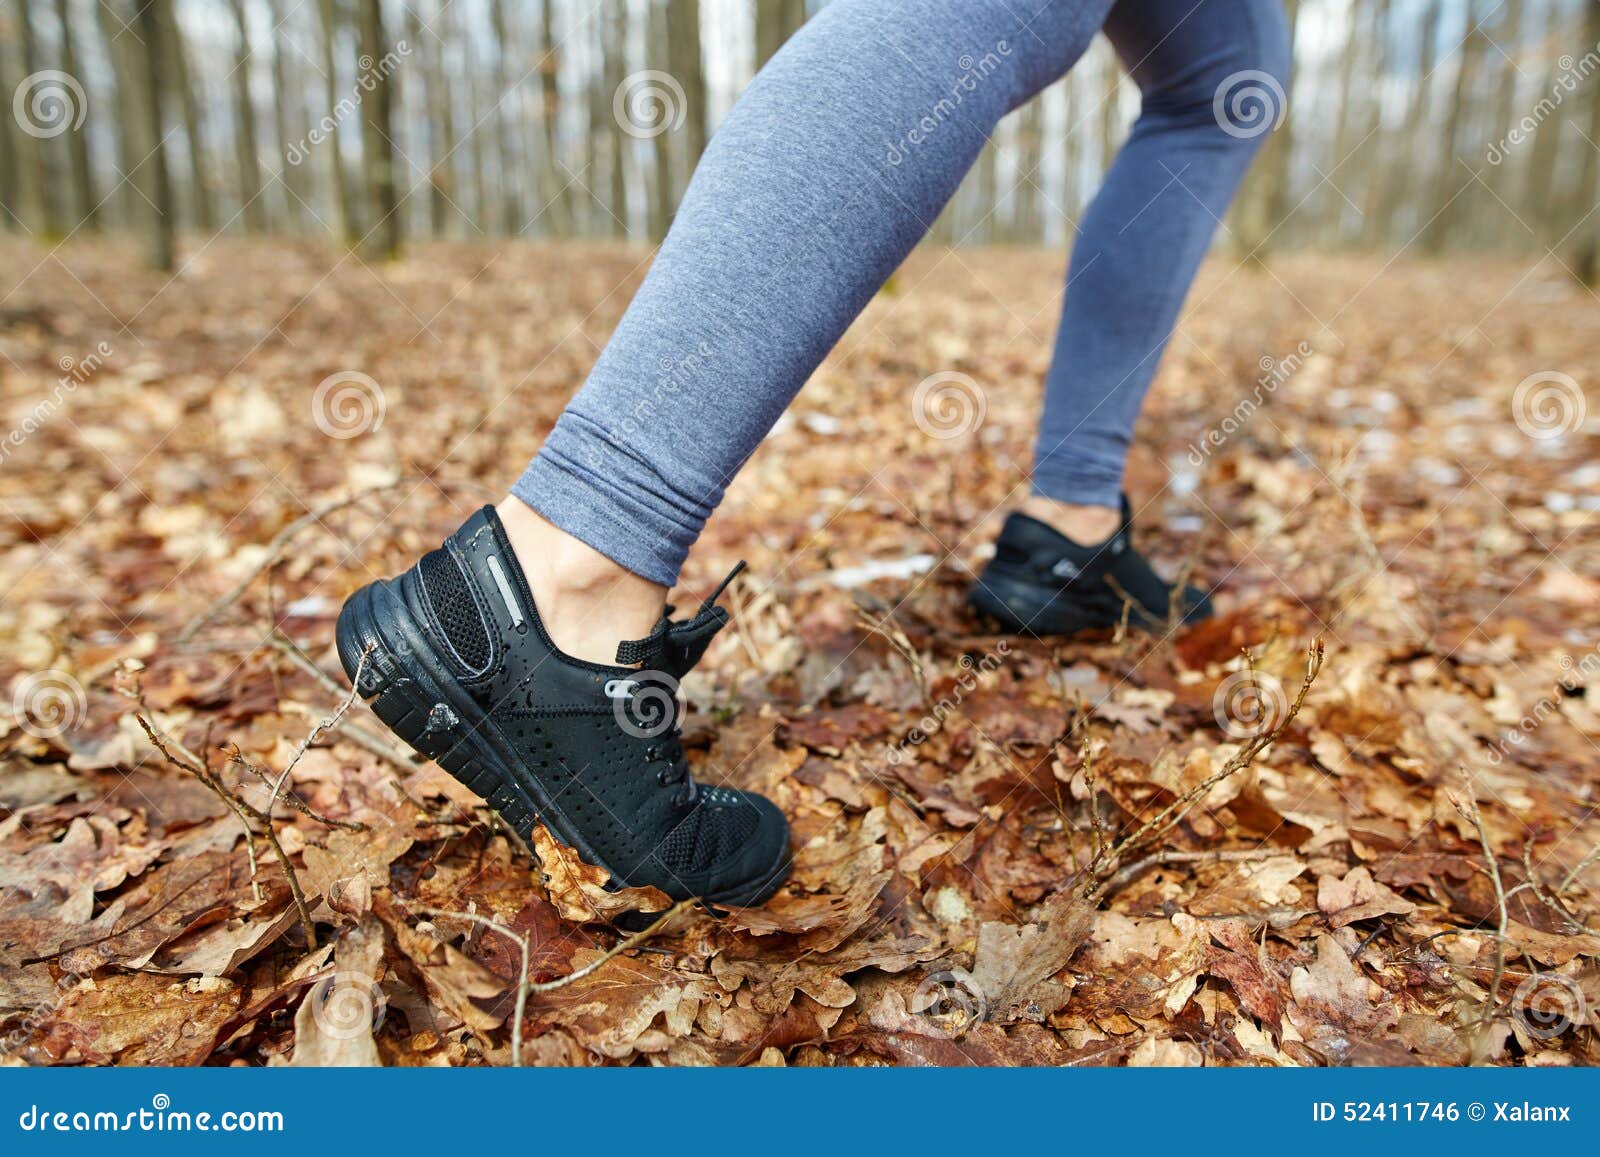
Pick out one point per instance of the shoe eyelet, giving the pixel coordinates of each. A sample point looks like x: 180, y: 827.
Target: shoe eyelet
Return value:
x: 661, y: 776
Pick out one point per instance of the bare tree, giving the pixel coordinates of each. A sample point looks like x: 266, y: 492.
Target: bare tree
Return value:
x: 687, y: 64
x: 83, y: 183
x: 382, y: 239
x: 614, y: 45
x: 159, y: 224
x: 288, y: 116
x: 1585, y: 244
x: 1451, y: 174
x: 1264, y: 204
x: 555, y: 188
x: 179, y: 76
x: 349, y: 215
x: 776, y: 21
x: 247, y: 154
x: 41, y: 212
x: 509, y: 167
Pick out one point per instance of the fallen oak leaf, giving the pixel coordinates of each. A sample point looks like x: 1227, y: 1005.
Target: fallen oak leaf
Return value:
x: 1358, y: 897
x: 578, y: 890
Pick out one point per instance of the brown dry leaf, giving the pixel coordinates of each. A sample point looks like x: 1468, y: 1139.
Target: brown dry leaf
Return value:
x: 333, y: 1026
x: 139, y: 1019
x: 1013, y: 965
x: 578, y: 890
x: 1334, y: 1005
x: 1358, y: 897
x: 1243, y: 962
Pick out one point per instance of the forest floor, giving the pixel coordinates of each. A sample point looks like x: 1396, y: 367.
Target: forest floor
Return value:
x: 988, y: 870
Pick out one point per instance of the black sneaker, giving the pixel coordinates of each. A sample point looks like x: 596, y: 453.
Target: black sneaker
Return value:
x: 461, y: 669
x: 1040, y: 582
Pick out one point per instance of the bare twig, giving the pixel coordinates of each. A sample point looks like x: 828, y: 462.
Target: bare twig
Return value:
x: 1096, y: 820
x: 241, y: 759
x: 240, y: 808
x: 275, y: 549
x: 616, y: 950
x: 1137, y: 868
x: 1106, y: 864
x: 1474, y: 815
x: 317, y: 731
x: 1578, y: 869
x: 358, y: 735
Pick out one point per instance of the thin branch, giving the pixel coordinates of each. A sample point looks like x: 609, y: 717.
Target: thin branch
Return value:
x: 1106, y: 864
x: 240, y: 808
x: 1133, y: 870
x: 352, y: 731
x: 1571, y: 877
x: 618, y: 949
x: 522, y: 978
x: 1474, y: 815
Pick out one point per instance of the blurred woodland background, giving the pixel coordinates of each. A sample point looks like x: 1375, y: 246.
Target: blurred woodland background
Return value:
x: 1447, y: 124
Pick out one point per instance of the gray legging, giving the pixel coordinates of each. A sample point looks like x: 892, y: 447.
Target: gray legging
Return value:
x: 826, y: 173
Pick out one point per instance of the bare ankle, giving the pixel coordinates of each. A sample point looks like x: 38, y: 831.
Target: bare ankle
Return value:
x: 587, y: 602
x: 1085, y: 525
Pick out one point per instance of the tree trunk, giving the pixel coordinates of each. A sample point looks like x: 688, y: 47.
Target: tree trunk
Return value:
x: 158, y: 223
x: 1264, y: 202
x: 441, y: 129
x: 83, y: 183
x: 124, y: 53
x: 553, y: 182
x: 1451, y: 177
x: 345, y: 205
x: 513, y: 215
x: 776, y: 21
x: 287, y: 122
x: 615, y: 69
x: 688, y: 65
x: 11, y: 208
x: 42, y: 212
x: 203, y: 203
x: 247, y: 154
x: 1585, y: 253
x: 382, y: 239
x: 664, y: 179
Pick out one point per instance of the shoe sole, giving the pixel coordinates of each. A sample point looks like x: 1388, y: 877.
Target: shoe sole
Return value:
x: 422, y: 703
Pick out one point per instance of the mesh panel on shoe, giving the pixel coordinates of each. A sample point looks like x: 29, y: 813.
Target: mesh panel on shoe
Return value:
x: 709, y: 834
x: 457, y: 613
